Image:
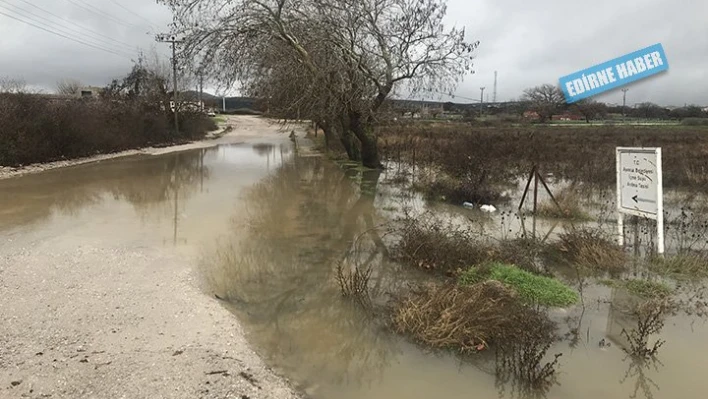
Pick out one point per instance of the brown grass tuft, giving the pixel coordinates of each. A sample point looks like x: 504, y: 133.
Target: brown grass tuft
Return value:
x: 591, y: 249
x: 451, y: 316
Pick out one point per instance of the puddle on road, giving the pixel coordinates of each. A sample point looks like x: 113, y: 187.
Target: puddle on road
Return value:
x: 278, y: 270
x: 178, y: 199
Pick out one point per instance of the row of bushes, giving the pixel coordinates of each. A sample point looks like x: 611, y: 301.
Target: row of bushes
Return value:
x: 38, y: 129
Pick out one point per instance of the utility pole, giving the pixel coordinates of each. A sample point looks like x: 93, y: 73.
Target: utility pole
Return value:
x: 481, y: 101
x: 201, y: 90
x: 166, y: 38
x: 494, y: 96
x: 624, y: 103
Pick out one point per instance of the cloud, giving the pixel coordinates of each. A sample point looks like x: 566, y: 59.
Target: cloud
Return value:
x: 527, y: 42
x: 112, y: 31
x: 531, y: 43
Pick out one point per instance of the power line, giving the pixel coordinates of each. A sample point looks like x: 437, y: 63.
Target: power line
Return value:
x: 133, y: 12
x: 64, y: 29
x: 98, y: 12
x: 64, y: 36
x: 80, y: 26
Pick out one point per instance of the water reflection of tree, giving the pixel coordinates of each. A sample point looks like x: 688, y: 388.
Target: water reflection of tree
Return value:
x: 281, y: 271
x: 638, y: 371
x: 145, y: 182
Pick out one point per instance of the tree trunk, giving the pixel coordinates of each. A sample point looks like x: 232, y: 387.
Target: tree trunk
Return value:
x: 364, y: 131
x: 349, y: 141
x: 328, y: 133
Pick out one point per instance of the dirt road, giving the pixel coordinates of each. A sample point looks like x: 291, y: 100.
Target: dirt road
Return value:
x: 95, y: 304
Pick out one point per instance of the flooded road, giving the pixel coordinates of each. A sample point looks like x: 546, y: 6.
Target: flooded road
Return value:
x: 108, y: 274
x: 100, y: 297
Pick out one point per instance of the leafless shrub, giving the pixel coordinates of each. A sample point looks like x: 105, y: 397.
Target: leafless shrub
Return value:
x: 69, y: 87
x: 354, y: 283
x: 522, y: 350
x: 650, y: 317
x: 432, y: 245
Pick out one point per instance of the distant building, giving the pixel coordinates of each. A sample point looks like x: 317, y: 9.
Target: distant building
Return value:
x: 531, y: 115
x: 88, y: 92
x: 567, y: 116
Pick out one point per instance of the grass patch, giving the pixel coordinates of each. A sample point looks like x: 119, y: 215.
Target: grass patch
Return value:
x: 681, y: 266
x: 532, y: 289
x: 648, y: 289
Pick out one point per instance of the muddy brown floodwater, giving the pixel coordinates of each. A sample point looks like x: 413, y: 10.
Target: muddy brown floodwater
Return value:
x: 278, y: 271
x: 108, y: 274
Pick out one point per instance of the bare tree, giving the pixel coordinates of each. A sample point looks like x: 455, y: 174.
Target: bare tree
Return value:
x: 546, y: 100
x: 69, y: 87
x: 11, y: 85
x: 590, y: 109
x: 358, y: 51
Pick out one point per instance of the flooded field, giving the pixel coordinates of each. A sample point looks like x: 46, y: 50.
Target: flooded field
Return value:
x: 281, y: 279
x: 266, y: 231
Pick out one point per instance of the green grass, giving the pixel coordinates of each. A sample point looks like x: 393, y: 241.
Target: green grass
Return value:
x: 219, y: 119
x: 531, y: 288
x: 641, y: 288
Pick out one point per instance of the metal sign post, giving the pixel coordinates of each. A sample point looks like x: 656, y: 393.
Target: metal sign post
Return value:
x: 640, y: 188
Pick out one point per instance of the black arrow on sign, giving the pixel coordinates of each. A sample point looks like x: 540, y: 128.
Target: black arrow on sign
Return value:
x: 635, y: 198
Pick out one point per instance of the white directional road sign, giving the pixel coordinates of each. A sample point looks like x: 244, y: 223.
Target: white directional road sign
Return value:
x: 639, y: 179
x: 640, y: 187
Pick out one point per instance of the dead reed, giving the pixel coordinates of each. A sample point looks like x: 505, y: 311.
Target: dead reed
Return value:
x: 456, y: 317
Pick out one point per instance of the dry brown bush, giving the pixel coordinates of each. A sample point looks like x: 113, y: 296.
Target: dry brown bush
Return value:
x: 36, y: 129
x: 459, y: 317
x: 474, y: 317
x: 434, y: 246
x: 592, y: 249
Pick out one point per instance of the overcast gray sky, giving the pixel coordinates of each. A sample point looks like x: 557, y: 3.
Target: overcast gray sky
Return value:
x: 527, y: 42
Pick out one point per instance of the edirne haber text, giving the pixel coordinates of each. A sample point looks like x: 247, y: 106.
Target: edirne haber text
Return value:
x: 610, y: 75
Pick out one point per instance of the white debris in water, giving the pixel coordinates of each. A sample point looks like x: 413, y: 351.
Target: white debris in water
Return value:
x: 468, y: 205
x: 488, y: 208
